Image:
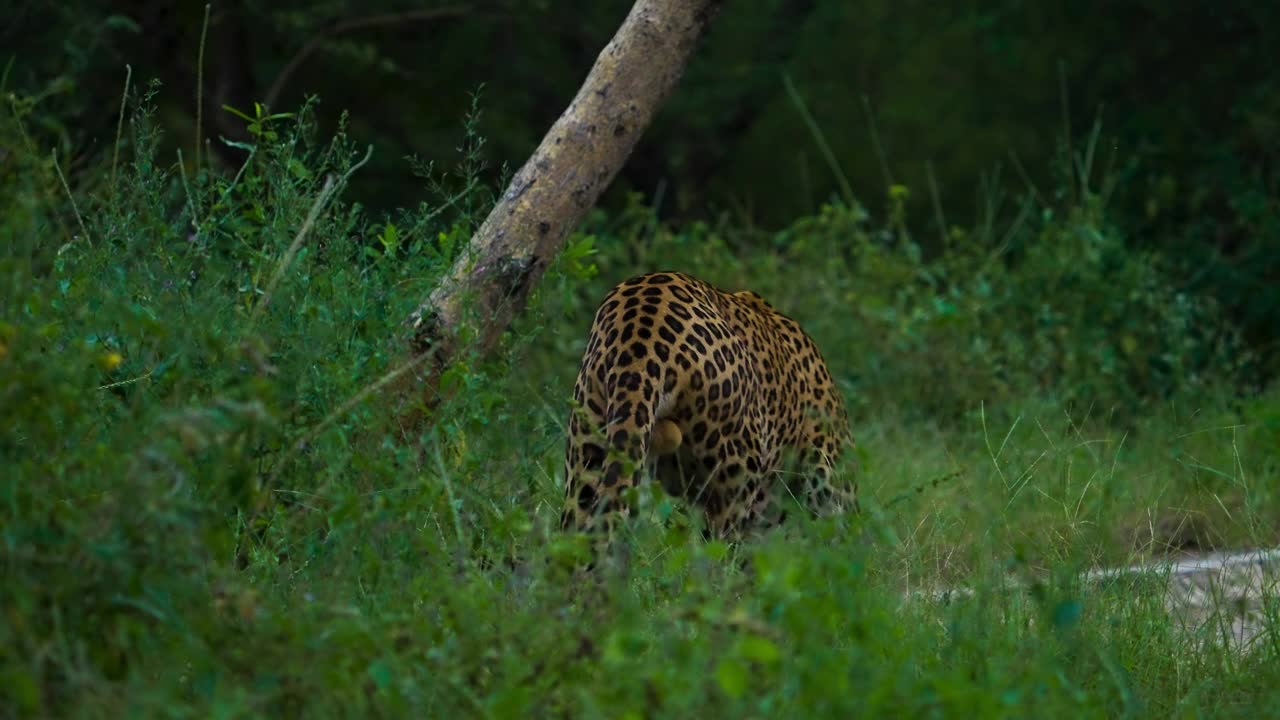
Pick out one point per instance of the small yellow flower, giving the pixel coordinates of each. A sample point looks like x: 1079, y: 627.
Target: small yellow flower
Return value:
x: 110, y: 360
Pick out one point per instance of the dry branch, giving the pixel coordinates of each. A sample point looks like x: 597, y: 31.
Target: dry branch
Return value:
x: 549, y: 196
x: 361, y: 23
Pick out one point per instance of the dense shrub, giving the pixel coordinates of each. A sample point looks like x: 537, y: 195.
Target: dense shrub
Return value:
x: 1058, y: 306
x: 170, y: 548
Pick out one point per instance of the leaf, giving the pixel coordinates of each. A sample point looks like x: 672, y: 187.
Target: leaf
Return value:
x: 760, y: 649
x: 298, y: 169
x: 22, y: 688
x: 717, y: 550
x: 122, y: 22
x: 238, y: 113
x: 380, y: 673
x: 732, y: 676
x: 1067, y: 613
x: 390, y: 237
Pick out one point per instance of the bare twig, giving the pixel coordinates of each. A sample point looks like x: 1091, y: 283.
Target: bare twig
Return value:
x: 204, y: 33
x: 361, y: 23
x: 579, y: 156
x: 329, y: 187
x: 70, y: 196
x: 124, y: 101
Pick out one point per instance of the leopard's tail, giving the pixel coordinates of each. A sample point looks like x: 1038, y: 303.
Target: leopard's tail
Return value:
x: 666, y: 438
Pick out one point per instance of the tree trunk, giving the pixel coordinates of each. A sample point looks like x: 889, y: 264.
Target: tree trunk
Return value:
x: 551, y: 194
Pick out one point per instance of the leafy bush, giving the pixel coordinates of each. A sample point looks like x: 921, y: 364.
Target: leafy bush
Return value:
x: 170, y: 547
x: 157, y: 365
x: 1058, y: 307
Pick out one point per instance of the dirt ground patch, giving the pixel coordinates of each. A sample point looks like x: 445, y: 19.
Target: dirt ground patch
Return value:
x: 1218, y: 597
x: 1222, y: 596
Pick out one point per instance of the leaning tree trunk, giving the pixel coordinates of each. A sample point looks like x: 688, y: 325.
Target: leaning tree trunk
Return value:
x: 551, y: 194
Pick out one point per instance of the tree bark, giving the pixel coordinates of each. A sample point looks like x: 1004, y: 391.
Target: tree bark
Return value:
x: 549, y: 196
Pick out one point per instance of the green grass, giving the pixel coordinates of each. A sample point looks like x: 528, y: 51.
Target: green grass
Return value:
x: 166, y: 553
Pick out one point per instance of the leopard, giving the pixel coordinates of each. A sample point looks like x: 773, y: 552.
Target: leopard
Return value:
x: 723, y: 399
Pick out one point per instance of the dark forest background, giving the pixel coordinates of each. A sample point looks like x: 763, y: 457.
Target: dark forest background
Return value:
x: 968, y: 99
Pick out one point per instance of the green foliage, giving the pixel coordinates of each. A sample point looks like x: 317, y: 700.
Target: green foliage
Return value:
x: 1056, y: 307
x: 169, y: 547
x: 926, y: 96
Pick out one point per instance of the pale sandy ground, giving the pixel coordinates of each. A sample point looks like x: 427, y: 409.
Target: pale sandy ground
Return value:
x: 1218, y: 597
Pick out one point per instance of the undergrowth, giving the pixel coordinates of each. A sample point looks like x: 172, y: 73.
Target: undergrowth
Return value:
x: 1036, y: 400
